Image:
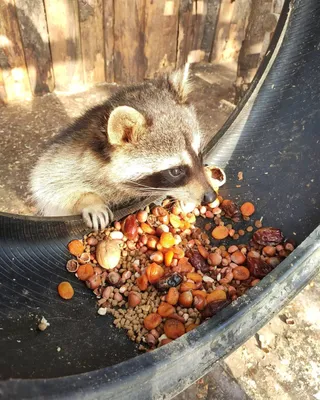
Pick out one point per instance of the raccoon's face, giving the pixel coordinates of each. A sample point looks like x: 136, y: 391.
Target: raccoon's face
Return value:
x: 157, y: 150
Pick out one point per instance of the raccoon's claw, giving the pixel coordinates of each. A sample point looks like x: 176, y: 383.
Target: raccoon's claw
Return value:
x: 97, y: 217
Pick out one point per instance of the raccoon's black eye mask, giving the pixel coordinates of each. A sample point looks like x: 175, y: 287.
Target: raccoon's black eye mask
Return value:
x: 169, y: 178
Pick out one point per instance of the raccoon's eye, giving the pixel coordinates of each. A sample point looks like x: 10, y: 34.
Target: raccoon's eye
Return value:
x: 176, y: 172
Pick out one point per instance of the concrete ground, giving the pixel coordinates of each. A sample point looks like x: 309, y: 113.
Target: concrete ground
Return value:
x: 283, y: 360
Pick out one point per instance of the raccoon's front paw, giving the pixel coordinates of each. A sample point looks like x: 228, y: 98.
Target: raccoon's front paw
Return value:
x: 97, y: 216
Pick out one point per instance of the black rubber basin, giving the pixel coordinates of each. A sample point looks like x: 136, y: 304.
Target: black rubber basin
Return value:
x: 273, y: 138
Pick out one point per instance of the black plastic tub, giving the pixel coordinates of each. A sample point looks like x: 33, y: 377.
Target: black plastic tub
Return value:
x: 273, y: 138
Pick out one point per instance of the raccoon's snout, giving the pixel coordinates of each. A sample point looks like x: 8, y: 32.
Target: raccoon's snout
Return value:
x: 209, y: 197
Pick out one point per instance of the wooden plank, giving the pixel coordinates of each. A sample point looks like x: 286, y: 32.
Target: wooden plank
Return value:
x: 92, y: 37
x: 192, y: 20
x: 230, y: 33
x: 64, y: 34
x: 262, y: 22
x: 186, y: 29
x: 34, y: 33
x: 130, y: 63
x: 210, y: 25
x: 109, y: 39
x: 12, y: 61
x: 3, y: 94
x: 161, y: 29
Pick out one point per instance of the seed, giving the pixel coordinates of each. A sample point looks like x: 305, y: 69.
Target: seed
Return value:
x: 241, y: 232
x: 236, y: 236
x: 249, y: 228
x: 269, y: 251
x: 94, y: 282
x: 238, y: 258
x: 142, y: 216
x: 118, y: 297
x: 72, y: 266
x: 214, y: 259
x: 157, y: 257
x: 126, y: 275
x: 232, y: 249
x: 130, y: 227
x: 289, y: 247
x: 258, y: 223
x: 199, y: 302
x: 241, y: 273
x: 134, y: 299
x: 92, y: 241
x: 209, y: 214
x: 107, y: 292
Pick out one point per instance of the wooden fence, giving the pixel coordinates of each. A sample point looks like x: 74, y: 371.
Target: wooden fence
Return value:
x: 69, y: 44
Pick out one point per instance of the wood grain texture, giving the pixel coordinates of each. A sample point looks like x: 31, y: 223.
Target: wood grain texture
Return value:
x: 213, y: 7
x: 192, y: 19
x: 34, y: 33
x: 161, y: 30
x: 12, y: 62
x: 108, y: 16
x: 92, y: 38
x: 3, y: 94
x: 230, y: 33
x: 64, y: 34
x: 262, y: 23
x: 130, y: 63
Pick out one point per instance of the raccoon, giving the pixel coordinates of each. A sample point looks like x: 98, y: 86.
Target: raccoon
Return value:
x: 143, y: 141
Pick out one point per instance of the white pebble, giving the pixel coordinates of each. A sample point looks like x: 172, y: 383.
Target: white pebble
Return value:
x: 123, y: 289
x: 207, y: 279
x: 214, y: 204
x: 203, y: 210
x: 218, y: 277
x: 136, y: 263
x: 116, y: 235
x: 102, y: 311
x: 186, y: 317
x: 137, y: 274
x: 187, y: 207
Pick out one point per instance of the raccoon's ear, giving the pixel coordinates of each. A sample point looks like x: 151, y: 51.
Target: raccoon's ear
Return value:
x: 181, y: 84
x: 125, y: 125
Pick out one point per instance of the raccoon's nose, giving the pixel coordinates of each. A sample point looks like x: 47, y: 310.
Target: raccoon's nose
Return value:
x: 209, y: 197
